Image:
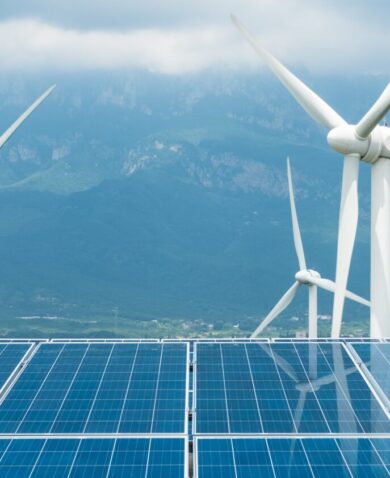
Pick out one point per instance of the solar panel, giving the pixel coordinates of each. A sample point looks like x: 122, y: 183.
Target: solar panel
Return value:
x: 282, y: 388
x: 10, y: 356
x: 260, y: 408
x: 122, y: 457
x: 293, y: 458
x: 376, y: 357
x: 100, y: 388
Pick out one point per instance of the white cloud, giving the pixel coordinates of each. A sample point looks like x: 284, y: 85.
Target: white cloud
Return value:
x: 29, y: 44
x: 319, y: 39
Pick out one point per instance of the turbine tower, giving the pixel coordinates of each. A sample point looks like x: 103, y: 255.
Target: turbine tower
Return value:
x: 304, y: 276
x: 11, y: 130
x: 365, y: 141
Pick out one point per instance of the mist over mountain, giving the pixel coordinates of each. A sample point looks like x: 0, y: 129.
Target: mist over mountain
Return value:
x: 165, y: 197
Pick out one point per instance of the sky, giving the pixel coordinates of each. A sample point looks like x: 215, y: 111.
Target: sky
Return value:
x: 187, y: 36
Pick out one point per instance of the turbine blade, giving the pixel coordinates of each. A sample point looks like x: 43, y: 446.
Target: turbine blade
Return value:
x: 357, y: 298
x: 295, y: 224
x: 374, y: 114
x: 315, y: 106
x: 11, y: 130
x: 349, y: 211
x: 278, y: 309
x: 330, y: 286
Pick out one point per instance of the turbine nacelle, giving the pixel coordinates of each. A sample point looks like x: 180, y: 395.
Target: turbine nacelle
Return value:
x: 306, y: 276
x: 345, y: 140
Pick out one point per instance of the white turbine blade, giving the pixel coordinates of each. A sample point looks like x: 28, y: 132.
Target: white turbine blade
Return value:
x: 374, y: 114
x: 310, y: 101
x: 330, y: 286
x: 294, y: 218
x: 278, y: 309
x: 11, y: 130
x: 357, y: 298
x: 349, y: 210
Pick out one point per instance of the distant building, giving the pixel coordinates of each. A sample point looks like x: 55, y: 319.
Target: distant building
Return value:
x: 300, y: 334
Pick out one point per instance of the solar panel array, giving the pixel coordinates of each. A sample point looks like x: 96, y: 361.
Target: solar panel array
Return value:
x: 252, y: 408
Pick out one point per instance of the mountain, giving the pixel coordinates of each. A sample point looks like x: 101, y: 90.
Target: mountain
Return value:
x: 160, y: 203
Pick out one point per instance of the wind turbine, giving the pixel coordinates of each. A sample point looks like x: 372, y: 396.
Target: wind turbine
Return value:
x: 304, y: 276
x: 11, y: 130
x: 366, y: 141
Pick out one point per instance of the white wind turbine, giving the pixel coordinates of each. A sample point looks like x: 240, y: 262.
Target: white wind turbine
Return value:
x: 366, y: 141
x: 11, y: 130
x: 304, y: 276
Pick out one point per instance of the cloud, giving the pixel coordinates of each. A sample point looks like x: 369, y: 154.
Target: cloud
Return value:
x: 305, y: 33
x: 29, y: 44
x: 130, y: 14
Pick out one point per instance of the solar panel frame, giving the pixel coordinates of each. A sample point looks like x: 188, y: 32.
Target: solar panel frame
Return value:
x: 318, y: 340
x: 220, y: 340
x: 103, y: 340
x: 362, y: 340
x: 271, y: 469
x: 21, y: 340
x: 118, y: 343
x: 327, y: 433
x: 325, y: 339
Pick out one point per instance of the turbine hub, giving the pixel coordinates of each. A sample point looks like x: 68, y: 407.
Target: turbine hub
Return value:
x: 304, y: 276
x: 344, y: 140
x: 314, y: 273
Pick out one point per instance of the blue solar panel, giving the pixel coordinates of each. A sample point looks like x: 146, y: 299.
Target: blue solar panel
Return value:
x: 292, y: 458
x: 70, y: 392
x: 376, y: 357
x: 10, y: 356
x: 282, y: 388
x: 122, y: 457
x: 99, y: 388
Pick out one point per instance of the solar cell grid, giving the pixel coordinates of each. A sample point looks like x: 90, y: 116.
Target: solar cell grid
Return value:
x: 282, y: 388
x: 99, y: 388
x: 295, y: 458
x: 125, y: 457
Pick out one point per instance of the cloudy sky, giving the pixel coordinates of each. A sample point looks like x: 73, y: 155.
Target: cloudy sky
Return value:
x: 185, y: 36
